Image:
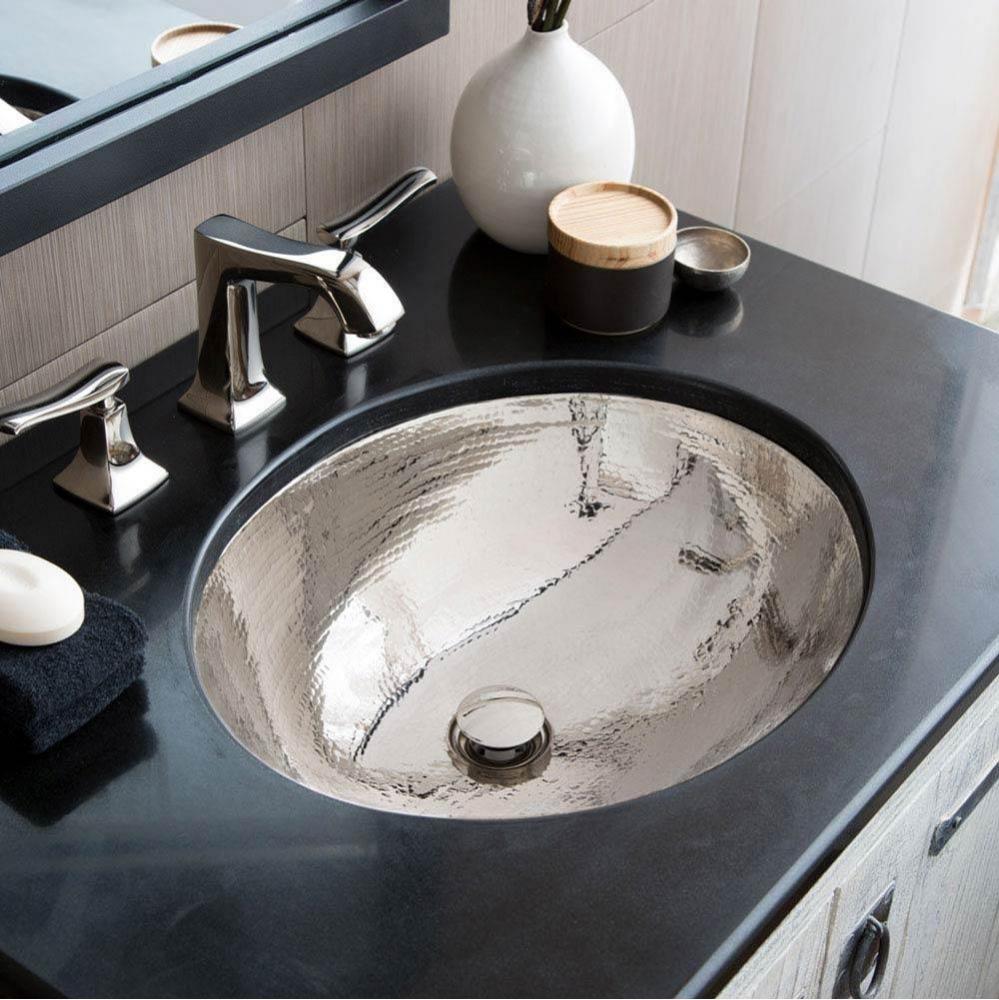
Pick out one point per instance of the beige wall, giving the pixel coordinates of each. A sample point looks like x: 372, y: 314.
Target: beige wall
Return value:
x: 870, y: 136
x: 855, y: 133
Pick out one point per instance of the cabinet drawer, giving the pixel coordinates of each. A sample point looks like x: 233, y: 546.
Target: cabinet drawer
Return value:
x: 789, y: 964
x: 944, y: 915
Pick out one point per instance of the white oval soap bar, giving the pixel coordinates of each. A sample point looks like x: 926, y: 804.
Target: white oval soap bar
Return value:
x: 39, y: 602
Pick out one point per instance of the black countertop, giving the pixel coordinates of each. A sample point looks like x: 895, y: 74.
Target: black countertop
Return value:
x: 151, y: 855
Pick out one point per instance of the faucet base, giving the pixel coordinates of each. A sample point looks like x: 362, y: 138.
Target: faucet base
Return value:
x: 228, y: 413
x: 322, y: 326
x: 109, y: 471
x: 113, y: 489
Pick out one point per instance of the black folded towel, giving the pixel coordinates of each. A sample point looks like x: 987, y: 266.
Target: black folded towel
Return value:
x: 48, y: 692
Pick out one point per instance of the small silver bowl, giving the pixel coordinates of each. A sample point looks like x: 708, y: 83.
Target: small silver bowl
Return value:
x: 710, y: 259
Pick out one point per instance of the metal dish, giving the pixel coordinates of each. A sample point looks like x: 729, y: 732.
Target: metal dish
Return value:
x: 710, y: 259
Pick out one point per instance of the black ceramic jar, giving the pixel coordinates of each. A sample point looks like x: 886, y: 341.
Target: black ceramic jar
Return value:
x: 610, y: 256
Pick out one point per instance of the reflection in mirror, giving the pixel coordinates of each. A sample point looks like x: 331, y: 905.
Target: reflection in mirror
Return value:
x: 87, y: 118
x: 56, y: 52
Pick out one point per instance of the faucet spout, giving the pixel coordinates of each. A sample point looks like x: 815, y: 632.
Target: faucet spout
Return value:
x: 353, y: 303
x: 353, y: 309
x: 228, y: 250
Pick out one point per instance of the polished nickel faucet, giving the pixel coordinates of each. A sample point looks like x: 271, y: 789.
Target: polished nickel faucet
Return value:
x: 108, y: 471
x: 355, y: 307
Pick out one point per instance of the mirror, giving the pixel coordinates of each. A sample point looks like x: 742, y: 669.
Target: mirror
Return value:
x: 98, y: 97
x: 54, y: 53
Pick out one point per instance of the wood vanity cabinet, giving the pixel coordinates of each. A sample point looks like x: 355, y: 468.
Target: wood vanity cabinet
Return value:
x: 943, y: 918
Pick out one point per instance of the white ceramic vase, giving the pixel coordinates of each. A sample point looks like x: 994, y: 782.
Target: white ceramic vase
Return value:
x: 542, y: 115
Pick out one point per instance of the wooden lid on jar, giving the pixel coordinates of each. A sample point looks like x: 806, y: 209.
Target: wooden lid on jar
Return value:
x: 610, y: 224
x: 184, y: 38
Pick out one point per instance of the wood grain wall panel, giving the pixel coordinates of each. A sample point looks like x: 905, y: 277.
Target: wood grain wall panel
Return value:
x: 938, y: 151
x: 134, y: 339
x: 828, y: 220
x: 359, y: 138
x: 686, y: 66
x: 821, y: 89
x: 587, y: 18
x: 64, y: 288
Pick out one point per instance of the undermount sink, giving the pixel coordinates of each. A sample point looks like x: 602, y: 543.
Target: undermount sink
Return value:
x: 657, y: 586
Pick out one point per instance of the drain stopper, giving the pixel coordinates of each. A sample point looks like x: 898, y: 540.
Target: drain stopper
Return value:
x: 500, y: 734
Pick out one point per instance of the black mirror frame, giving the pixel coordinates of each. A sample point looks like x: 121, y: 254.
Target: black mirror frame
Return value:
x: 148, y: 132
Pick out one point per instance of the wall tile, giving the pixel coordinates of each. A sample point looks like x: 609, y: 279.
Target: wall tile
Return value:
x: 589, y: 17
x: 685, y: 65
x: 828, y: 220
x: 821, y: 87
x: 134, y: 339
x: 67, y: 286
x: 938, y: 151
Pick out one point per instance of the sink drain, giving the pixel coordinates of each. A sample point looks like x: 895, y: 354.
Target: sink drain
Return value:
x: 500, y: 735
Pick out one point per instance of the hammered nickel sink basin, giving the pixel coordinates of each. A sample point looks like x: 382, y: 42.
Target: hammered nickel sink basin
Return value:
x: 666, y: 585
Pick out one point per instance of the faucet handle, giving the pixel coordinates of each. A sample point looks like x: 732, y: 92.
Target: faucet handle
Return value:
x: 343, y: 232
x: 89, y: 386
x: 371, y: 309
x: 109, y: 471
